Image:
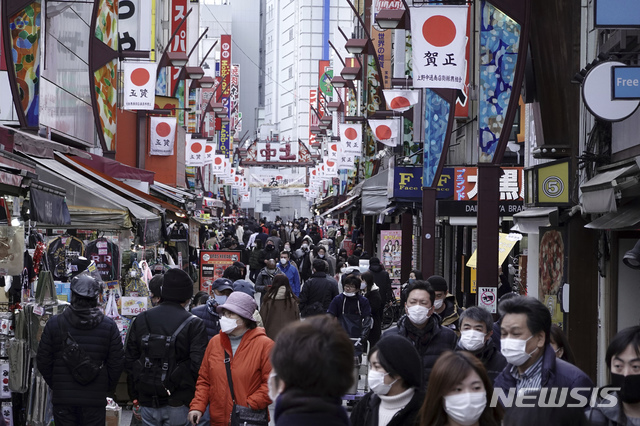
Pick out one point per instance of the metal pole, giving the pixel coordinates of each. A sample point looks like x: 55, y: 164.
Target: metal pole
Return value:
x: 428, y: 232
x: 488, y: 227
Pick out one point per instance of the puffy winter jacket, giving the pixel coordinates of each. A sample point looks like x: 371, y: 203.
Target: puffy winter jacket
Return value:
x: 250, y: 368
x: 208, y: 314
x: 189, y: 349
x: 291, y: 272
x: 316, y: 294
x: 99, y: 337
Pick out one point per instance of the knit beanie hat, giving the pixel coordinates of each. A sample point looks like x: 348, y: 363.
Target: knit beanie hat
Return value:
x: 438, y: 283
x: 401, y: 356
x: 176, y: 286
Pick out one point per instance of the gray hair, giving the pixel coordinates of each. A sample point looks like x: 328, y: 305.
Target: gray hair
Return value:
x: 477, y: 314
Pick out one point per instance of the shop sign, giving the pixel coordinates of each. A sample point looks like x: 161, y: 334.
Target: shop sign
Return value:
x: 407, y: 183
x: 547, y: 184
x: 178, y: 12
x: 225, y: 72
x: 466, y: 184
x: 617, y: 13
x: 133, y: 305
x: 212, y: 266
x: 626, y: 82
x: 470, y: 208
x: 134, y: 24
x: 391, y: 253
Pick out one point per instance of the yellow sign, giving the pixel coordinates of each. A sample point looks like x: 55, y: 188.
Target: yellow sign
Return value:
x: 553, y: 183
x: 474, y: 280
x: 505, y: 244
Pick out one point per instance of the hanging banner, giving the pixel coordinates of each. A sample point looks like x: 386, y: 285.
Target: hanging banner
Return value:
x: 178, y: 12
x: 351, y: 138
x: 209, y: 151
x: 234, y: 96
x: 195, y: 151
x: 439, y: 42
x: 382, y: 43
x: 134, y: 24
x: 162, y: 135
x: 313, y: 119
x: 225, y: 73
x: 139, y: 85
x: 401, y: 100
x: 270, y: 178
x: 386, y: 131
x: 217, y: 165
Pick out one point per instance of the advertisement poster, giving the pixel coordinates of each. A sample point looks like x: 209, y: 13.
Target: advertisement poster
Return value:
x: 552, y: 258
x: 390, y: 253
x: 212, y: 266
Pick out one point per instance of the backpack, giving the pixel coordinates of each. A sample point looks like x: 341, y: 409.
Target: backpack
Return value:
x: 83, y: 369
x: 156, y: 362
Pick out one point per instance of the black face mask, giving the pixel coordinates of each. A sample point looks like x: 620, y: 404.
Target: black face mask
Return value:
x: 269, y: 247
x: 629, y: 387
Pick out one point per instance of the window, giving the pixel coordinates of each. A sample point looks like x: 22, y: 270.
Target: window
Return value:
x: 291, y: 72
x: 289, y: 111
x: 291, y: 34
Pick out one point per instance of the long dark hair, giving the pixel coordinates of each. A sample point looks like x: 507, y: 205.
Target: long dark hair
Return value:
x: 561, y: 341
x: 449, y: 370
x: 281, y: 280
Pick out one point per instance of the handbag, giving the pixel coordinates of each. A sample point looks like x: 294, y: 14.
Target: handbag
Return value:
x: 241, y: 415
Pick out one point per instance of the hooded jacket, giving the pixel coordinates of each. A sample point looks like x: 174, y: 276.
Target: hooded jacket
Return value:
x: 431, y: 341
x: 316, y: 294
x: 291, y: 272
x: 208, y: 314
x: 250, y: 369
x: 99, y: 337
x: 279, y: 311
x: 295, y: 408
x: 382, y: 279
x: 607, y: 416
x: 264, y: 279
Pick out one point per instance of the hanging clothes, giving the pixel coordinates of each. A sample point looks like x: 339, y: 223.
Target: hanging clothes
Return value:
x: 106, y: 255
x: 60, y: 250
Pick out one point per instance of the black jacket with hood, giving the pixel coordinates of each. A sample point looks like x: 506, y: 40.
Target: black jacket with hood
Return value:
x: 316, y: 294
x: 99, y: 337
x: 382, y: 279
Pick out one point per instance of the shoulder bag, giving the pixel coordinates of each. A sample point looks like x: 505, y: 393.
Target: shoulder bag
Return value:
x: 241, y: 415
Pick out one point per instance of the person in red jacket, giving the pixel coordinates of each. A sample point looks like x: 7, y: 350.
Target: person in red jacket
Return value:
x: 248, y: 349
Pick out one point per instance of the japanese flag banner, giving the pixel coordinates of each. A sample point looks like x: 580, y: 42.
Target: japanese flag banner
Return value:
x: 162, y: 135
x: 195, y: 151
x: 209, y: 152
x: 401, y: 100
x: 139, y: 90
x: 346, y: 161
x: 351, y: 138
x: 217, y: 165
x: 439, y: 41
x: 330, y: 169
x: 386, y: 131
x: 332, y: 151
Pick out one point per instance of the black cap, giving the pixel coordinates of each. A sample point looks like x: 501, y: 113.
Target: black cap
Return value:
x: 176, y: 286
x: 85, y: 285
x: 400, y: 354
x: 438, y: 283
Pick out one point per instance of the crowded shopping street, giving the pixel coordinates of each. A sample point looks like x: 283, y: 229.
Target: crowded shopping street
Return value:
x: 319, y: 212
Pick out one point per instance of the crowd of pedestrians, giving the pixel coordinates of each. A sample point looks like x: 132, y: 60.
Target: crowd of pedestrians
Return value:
x: 288, y: 331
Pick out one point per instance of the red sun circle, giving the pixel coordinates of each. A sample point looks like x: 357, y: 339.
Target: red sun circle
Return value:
x: 208, y: 148
x: 439, y: 31
x: 383, y: 132
x: 217, y: 160
x: 163, y: 129
x: 330, y: 163
x: 237, y: 178
x: 196, y: 147
x: 140, y: 76
x: 334, y: 147
x: 351, y: 133
x: 399, y: 102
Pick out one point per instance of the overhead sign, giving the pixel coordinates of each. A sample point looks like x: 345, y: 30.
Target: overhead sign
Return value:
x: 617, y: 13
x: 269, y: 178
x: 625, y: 82
x: 598, y: 97
x: 225, y: 72
x: 439, y: 42
x: 407, y: 183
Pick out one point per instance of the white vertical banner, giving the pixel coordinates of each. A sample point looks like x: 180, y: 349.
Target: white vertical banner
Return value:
x: 162, y: 135
x: 209, y: 152
x: 351, y: 138
x: 217, y: 165
x: 139, y: 89
x: 439, y: 35
x: 386, y: 131
x: 195, y: 151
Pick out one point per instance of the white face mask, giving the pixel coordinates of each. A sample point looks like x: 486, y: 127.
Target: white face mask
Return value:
x: 377, y: 384
x: 418, y: 314
x: 305, y: 247
x: 273, y: 386
x: 321, y: 256
x: 471, y: 340
x: 515, y: 350
x: 349, y: 294
x: 283, y: 261
x: 438, y: 303
x: 465, y: 408
x: 363, y: 285
x: 227, y: 325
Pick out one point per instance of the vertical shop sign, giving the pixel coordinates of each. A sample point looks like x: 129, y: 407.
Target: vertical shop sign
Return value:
x: 234, y: 96
x: 134, y: 24
x: 313, y: 119
x: 178, y: 12
x: 213, y: 264
x: 225, y: 73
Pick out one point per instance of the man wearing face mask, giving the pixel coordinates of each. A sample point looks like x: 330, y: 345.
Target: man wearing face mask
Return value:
x: 623, y: 360
x: 265, y: 276
x: 317, y: 292
x: 303, y: 258
x: 353, y: 312
x: 476, y: 329
x: 532, y: 362
x: 220, y: 289
x: 289, y: 269
x: 321, y: 253
x: 422, y: 328
x: 271, y: 251
x: 445, y: 304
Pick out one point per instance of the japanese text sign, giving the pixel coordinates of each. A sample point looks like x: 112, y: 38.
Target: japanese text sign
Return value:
x: 179, y: 44
x: 139, y: 85
x: 162, y: 135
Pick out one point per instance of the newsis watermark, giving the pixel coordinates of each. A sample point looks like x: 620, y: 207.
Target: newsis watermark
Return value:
x: 556, y: 397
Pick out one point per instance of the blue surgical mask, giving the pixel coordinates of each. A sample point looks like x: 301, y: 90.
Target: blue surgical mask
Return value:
x: 411, y: 280
x: 220, y: 299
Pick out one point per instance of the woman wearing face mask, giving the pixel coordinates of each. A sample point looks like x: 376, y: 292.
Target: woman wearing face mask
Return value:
x: 458, y: 394
x: 395, y: 372
x: 247, y: 348
x: 414, y: 275
x: 353, y: 312
x: 371, y: 291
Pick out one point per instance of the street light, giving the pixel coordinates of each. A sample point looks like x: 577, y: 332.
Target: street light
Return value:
x: 397, y: 19
x: 352, y: 73
x: 193, y: 73
x: 205, y: 82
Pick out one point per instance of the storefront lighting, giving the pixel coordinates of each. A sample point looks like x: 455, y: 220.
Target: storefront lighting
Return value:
x: 194, y: 73
x: 358, y: 46
x: 218, y: 107
x: 206, y: 82
x: 393, y: 19
x: 335, y: 106
x: 351, y: 73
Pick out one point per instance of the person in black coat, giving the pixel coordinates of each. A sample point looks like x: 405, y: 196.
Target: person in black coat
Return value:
x: 185, y: 357
x: 382, y: 279
x: 312, y: 368
x: 422, y: 327
x: 395, y: 378
x: 318, y: 292
x: 265, y: 276
x: 98, y: 336
x: 372, y: 293
x: 476, y: 328
x: 221, y: 288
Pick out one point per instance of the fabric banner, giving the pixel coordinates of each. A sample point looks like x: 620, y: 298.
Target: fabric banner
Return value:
x: 209, y: 151
x: 48, y: 208
x: 217, y: 165
x: 224, y: 144
x: 195, y: 152
x: 162, y: 134
x: 351, y: 138
x: 401, y: 100
x: 439, y: 42
x: 386, y: 131
x: 139, y: 85
x: 276, y: 179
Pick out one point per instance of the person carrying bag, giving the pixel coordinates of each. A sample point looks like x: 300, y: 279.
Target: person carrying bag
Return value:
x: 241, y: 415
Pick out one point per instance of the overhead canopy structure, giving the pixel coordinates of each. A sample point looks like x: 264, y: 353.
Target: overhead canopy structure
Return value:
x: 375, y: 193
x: 116, y: 169
x: 342, y: 207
